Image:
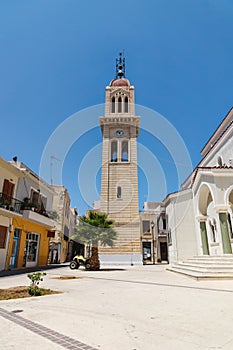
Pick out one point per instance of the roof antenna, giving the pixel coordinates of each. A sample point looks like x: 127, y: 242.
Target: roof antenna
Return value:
x: 120, y: 66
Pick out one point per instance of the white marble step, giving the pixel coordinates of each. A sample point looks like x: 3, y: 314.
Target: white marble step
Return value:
x: 205, y: 266
x: 226, y: 258
x: 201, y: 275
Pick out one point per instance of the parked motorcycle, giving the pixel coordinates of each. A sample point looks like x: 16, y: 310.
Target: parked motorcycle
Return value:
x: 80, y: 260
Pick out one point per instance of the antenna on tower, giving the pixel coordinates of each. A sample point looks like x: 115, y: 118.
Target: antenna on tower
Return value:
x: 120, y: 66
x: 52, y: 158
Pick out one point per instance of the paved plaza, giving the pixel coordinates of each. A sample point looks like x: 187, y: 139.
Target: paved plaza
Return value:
x: 124, y: 308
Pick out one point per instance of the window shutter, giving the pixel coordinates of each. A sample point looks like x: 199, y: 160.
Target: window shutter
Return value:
x: 3, y: 234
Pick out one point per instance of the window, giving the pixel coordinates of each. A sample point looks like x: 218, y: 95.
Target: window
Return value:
x: 7, y: 191
x: 126, y: 105
x: 3, y: 234
x: 213, y: 232
x: 164, y: 224
x: 220, y: 161
x: 17, y: 233
x: 119, y: 196
x: 38, y: 200
x: 114, y: 151
x: 119, y: 105
x: 113, y: 105
x: 66, y: 233
x: 124, y: 151
x: 146, y: 226
x: 32, y: 245
x: 34, y: 198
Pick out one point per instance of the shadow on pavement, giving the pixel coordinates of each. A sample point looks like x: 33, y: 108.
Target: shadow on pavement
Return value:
x: 111, y: 269
x: 31, y: 269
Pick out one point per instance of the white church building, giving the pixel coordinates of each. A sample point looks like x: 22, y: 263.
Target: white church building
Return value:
x: 200, y: 216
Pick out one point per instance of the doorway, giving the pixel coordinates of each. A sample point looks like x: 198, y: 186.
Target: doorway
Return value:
x: 15, y: 249
x: 146, y: 251
x: 31, y: 249
x: 163, y: 251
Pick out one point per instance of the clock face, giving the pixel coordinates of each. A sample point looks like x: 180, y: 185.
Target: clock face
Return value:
x: 119, y: 132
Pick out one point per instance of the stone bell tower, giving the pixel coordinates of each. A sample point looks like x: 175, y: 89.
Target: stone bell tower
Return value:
x: 119, y: 183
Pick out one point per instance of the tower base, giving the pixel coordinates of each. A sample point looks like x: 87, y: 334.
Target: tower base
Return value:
x: 121, y: 259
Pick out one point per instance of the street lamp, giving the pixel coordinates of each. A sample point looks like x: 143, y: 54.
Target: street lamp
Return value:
x: 153, y: 241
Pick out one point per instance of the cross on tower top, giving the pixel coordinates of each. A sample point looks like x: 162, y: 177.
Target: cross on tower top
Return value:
x: 120, y: 66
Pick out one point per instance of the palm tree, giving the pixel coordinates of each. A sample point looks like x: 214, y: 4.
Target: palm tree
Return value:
x: 93, y: 230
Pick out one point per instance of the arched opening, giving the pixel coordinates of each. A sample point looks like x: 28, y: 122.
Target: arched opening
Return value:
x: 213, y: 230
x: 231, y: 199
x: 119, y: 194
x: 114, y: 151
x: 124, y: 151
x: 205, y: 203
x: 113, y: 105
x: 220, y: 161
x: 126, y: 105
x: 205, y: 198
x: 119, y: 105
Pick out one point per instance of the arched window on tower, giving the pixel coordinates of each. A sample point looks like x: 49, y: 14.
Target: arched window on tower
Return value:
x: 124, y: 151
x: 119, y: 194
x: 114, y: 151
x: 119, y: 105
x: 126, y: 104
x: 113, y: 105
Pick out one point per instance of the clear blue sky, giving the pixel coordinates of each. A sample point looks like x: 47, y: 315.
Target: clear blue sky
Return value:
x: 57, y: 56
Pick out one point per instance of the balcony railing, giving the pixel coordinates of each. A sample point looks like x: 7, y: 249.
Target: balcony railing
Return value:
x: 13, y: 204
x: 10, y: 203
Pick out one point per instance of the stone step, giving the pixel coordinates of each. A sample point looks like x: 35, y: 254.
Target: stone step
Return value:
x: 212, y: 258
x: 209, y: 262
x: 201, y: 275
x: 209, y: 265
x: 205, y: 266
x: 203, y: 269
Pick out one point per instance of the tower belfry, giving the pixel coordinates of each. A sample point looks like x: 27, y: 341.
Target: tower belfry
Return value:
x: 119, y: 182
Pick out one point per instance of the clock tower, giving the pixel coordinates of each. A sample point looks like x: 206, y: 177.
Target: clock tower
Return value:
x: 119, y: 182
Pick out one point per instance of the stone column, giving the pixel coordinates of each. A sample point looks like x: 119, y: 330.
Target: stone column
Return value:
x: 204, y: 238
x: 226, y: 243
x: 222, y: 211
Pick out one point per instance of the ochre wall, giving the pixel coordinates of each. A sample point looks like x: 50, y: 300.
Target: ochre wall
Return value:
x: 25, y: 227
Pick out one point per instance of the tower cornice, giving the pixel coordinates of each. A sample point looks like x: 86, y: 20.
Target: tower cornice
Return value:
x: 117, y: 120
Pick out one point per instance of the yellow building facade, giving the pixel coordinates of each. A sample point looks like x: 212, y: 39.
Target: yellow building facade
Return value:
x: 31, y: 242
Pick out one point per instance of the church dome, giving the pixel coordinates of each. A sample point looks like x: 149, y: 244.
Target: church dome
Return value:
x: 120, y: 82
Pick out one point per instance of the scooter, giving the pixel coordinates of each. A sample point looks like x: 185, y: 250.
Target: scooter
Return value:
x: 80, y: 260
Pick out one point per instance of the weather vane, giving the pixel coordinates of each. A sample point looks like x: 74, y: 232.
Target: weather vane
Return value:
x: 120, y: 66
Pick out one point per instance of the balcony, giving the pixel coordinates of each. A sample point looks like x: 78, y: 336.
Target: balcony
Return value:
x: 28, y: 210
x: 10, y: 203
x: 37, y: 217
x: 36, y: 212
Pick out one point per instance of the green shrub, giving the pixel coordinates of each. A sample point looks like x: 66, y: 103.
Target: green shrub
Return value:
x: 35, y: 279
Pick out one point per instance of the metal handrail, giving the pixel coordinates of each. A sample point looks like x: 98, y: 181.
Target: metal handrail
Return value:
x: 10, y: 203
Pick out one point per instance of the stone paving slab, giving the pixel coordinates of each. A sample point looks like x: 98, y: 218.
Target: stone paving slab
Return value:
x: 130, y: 309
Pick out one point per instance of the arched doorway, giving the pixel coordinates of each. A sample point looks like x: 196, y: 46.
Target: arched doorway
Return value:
x: 205, y: 201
